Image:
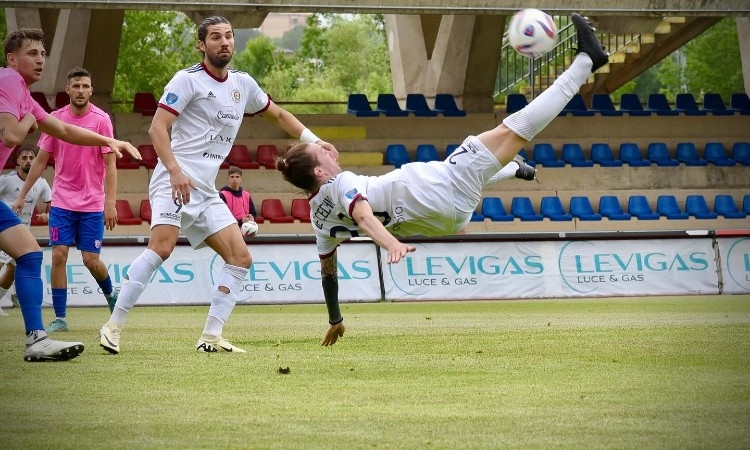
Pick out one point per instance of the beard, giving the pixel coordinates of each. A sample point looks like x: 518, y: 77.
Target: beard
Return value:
x: 25, y: 169
x: 219, y: 61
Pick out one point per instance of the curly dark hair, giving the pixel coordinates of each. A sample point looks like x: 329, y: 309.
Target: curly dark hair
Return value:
x: 15, y: 39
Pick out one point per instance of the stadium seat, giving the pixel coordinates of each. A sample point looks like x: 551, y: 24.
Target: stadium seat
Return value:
x: 525, y: 156
x: 476, y: 217
x: 515, y: 102
x: 659, y: 153
x: 658, y: 103
x: 388, y: 105
x: 580, y: 208
x: 62, y: 99
x: 145, y: 210
x: 576, y: 107
x: 301, y: 209
x: 631, y: 155
x: 713, y: 104
x: 666, y: 205
x: 545, y: 155
x: 741, y: 153
x: 266, y: 155
x: 35, y: 222
x: 41, y: 98
x: 239, y: 156
x: 696, y: 206
x: 125, y: 214
x: 359, y: 105
x: 149, y: 158
x: 10, y: 163
x: 609, y: 207
x: 687, y: 154
x: 724, y: 206
x: 427, y: 153
x: 746, y: 204
x: 631, y: 105
x: 552, y: 208
x: 572, y: 154
x: 450, y: 148
x: 716, y: 154
x: 740, y: 102
x: 602, y: 154
x: 493, y: 208
x: 446, y: 104
x: 127, y: 162
x: 685, y: 103
x: 272, y: 209
x: 602, y: 104
x: 417, y: 105
x: 638, y: 206
x: 522, y: 208
x: 397, y: 155
x: 145, y: 103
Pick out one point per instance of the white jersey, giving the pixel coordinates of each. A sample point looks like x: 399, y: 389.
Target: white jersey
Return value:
x: 11, y: 185
x: 209, y: 114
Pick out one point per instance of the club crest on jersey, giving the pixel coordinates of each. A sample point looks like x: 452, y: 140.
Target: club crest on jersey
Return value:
x: 172, y: 98
x: 351, y: 194
x: 236, y: 95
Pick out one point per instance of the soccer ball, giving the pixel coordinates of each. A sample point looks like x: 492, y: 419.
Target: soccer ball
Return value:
x: 532, y: 32
x: 249, y: 229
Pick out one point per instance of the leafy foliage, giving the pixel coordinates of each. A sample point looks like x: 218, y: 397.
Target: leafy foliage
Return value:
x: 713, y: 60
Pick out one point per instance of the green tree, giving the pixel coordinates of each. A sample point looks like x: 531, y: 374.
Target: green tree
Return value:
x: 258, y: 58
x: 291, y: 40
x: 154, y: 45
x: 3, y: 33
x: 712, y: 61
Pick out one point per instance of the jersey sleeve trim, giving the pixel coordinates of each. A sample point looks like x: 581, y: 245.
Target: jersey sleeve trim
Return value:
x: 167, y: 108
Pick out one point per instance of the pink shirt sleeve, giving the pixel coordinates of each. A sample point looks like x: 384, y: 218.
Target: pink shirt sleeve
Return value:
x: 15, y: 99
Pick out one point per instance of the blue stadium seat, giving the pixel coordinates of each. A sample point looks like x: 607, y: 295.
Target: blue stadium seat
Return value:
x: 659, y: 104
x: 746, y: 204
x: 740, y: 102
x: 476, y: 217
x: 631, y: 155
x: 659, y: 153
x: 602, y: 104
x: 580, y: 208
x: 667, y: 206
x: 522, y: 208
x: 359, y: 105
x: 450, y: 148
x: 696, y: 206
x: 552, y: 208
x: 602, y: 154
x: 631, y: 104
x: 609, y: 207
x: 493, y: 208
x: 426, y: 153
x: 388, y: 105
x: 446, y: 104
x: 713, y: 104
x: 396, y: 155
x: 716, y: 154
x: 685, y: 103
x: 577, y: 107
x: 688, y: 155
x: 638, y: 206
x: 515, y: 102
x: 525, y: 156
x: 741, y: 153
x: 417, y: 105
x: 545, y: 155
x: 724, y: 206
x: 572, y: 154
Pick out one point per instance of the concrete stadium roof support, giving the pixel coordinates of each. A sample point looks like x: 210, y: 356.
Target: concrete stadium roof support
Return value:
x: 473, y: 7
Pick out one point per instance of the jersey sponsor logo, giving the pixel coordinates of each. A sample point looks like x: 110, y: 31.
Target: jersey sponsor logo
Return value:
x: 213, y: 156
x: 172, y: 98
x: 211, y: 95
x: 228, y: 116
x: 212, y: 138
x: 351, y: 194
x: 236, y: 95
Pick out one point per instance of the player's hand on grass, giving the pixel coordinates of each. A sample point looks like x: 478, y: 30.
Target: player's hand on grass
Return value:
x: 333, y: 334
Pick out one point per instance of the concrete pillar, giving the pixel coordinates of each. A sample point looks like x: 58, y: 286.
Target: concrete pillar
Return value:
x: 743, y: 34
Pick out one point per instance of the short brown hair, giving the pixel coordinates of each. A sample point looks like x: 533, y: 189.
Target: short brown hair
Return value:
x: 78, y: 72
x: 15, y: 39
x: 234, y: 170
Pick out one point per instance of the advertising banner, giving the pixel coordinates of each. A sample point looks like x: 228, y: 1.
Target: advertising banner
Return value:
x: 735, y: 264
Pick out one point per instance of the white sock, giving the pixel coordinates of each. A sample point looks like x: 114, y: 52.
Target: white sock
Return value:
x: 508, y: 171
x: 3, y: 292
x: 532, y: 119
x: 139, y: 274
x: 222, y: 304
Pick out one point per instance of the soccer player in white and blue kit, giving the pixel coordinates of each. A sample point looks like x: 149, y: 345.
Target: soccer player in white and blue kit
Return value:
x: 203, y: 105
x: 428, y: 199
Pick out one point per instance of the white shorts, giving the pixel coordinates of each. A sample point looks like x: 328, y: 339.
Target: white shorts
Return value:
x: 6, y: 259
x: 205, y: 215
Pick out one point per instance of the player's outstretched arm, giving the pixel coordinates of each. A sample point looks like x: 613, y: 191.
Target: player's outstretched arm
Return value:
x: 14, y: 131
x: 363, y: 215
x: 290, y: 124
x: 81, y: 136
x: 330, y: 279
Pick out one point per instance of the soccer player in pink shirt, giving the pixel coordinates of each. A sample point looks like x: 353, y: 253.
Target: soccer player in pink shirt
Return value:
x: 20, y: 115
x: 81, y: 206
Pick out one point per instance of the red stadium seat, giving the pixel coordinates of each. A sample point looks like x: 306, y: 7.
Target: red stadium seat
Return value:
x: 240, y: 156
x: 145, y: 103
x: 61, y: 99
x: 145, y: 210
x: 148, y: 156
x: 125, y: 214
x: 272, y: 210
x: 267, y: 154
x: 301, y: 209
x: 127, y: 162
x: 35, y: 220
x: 42, y: 100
